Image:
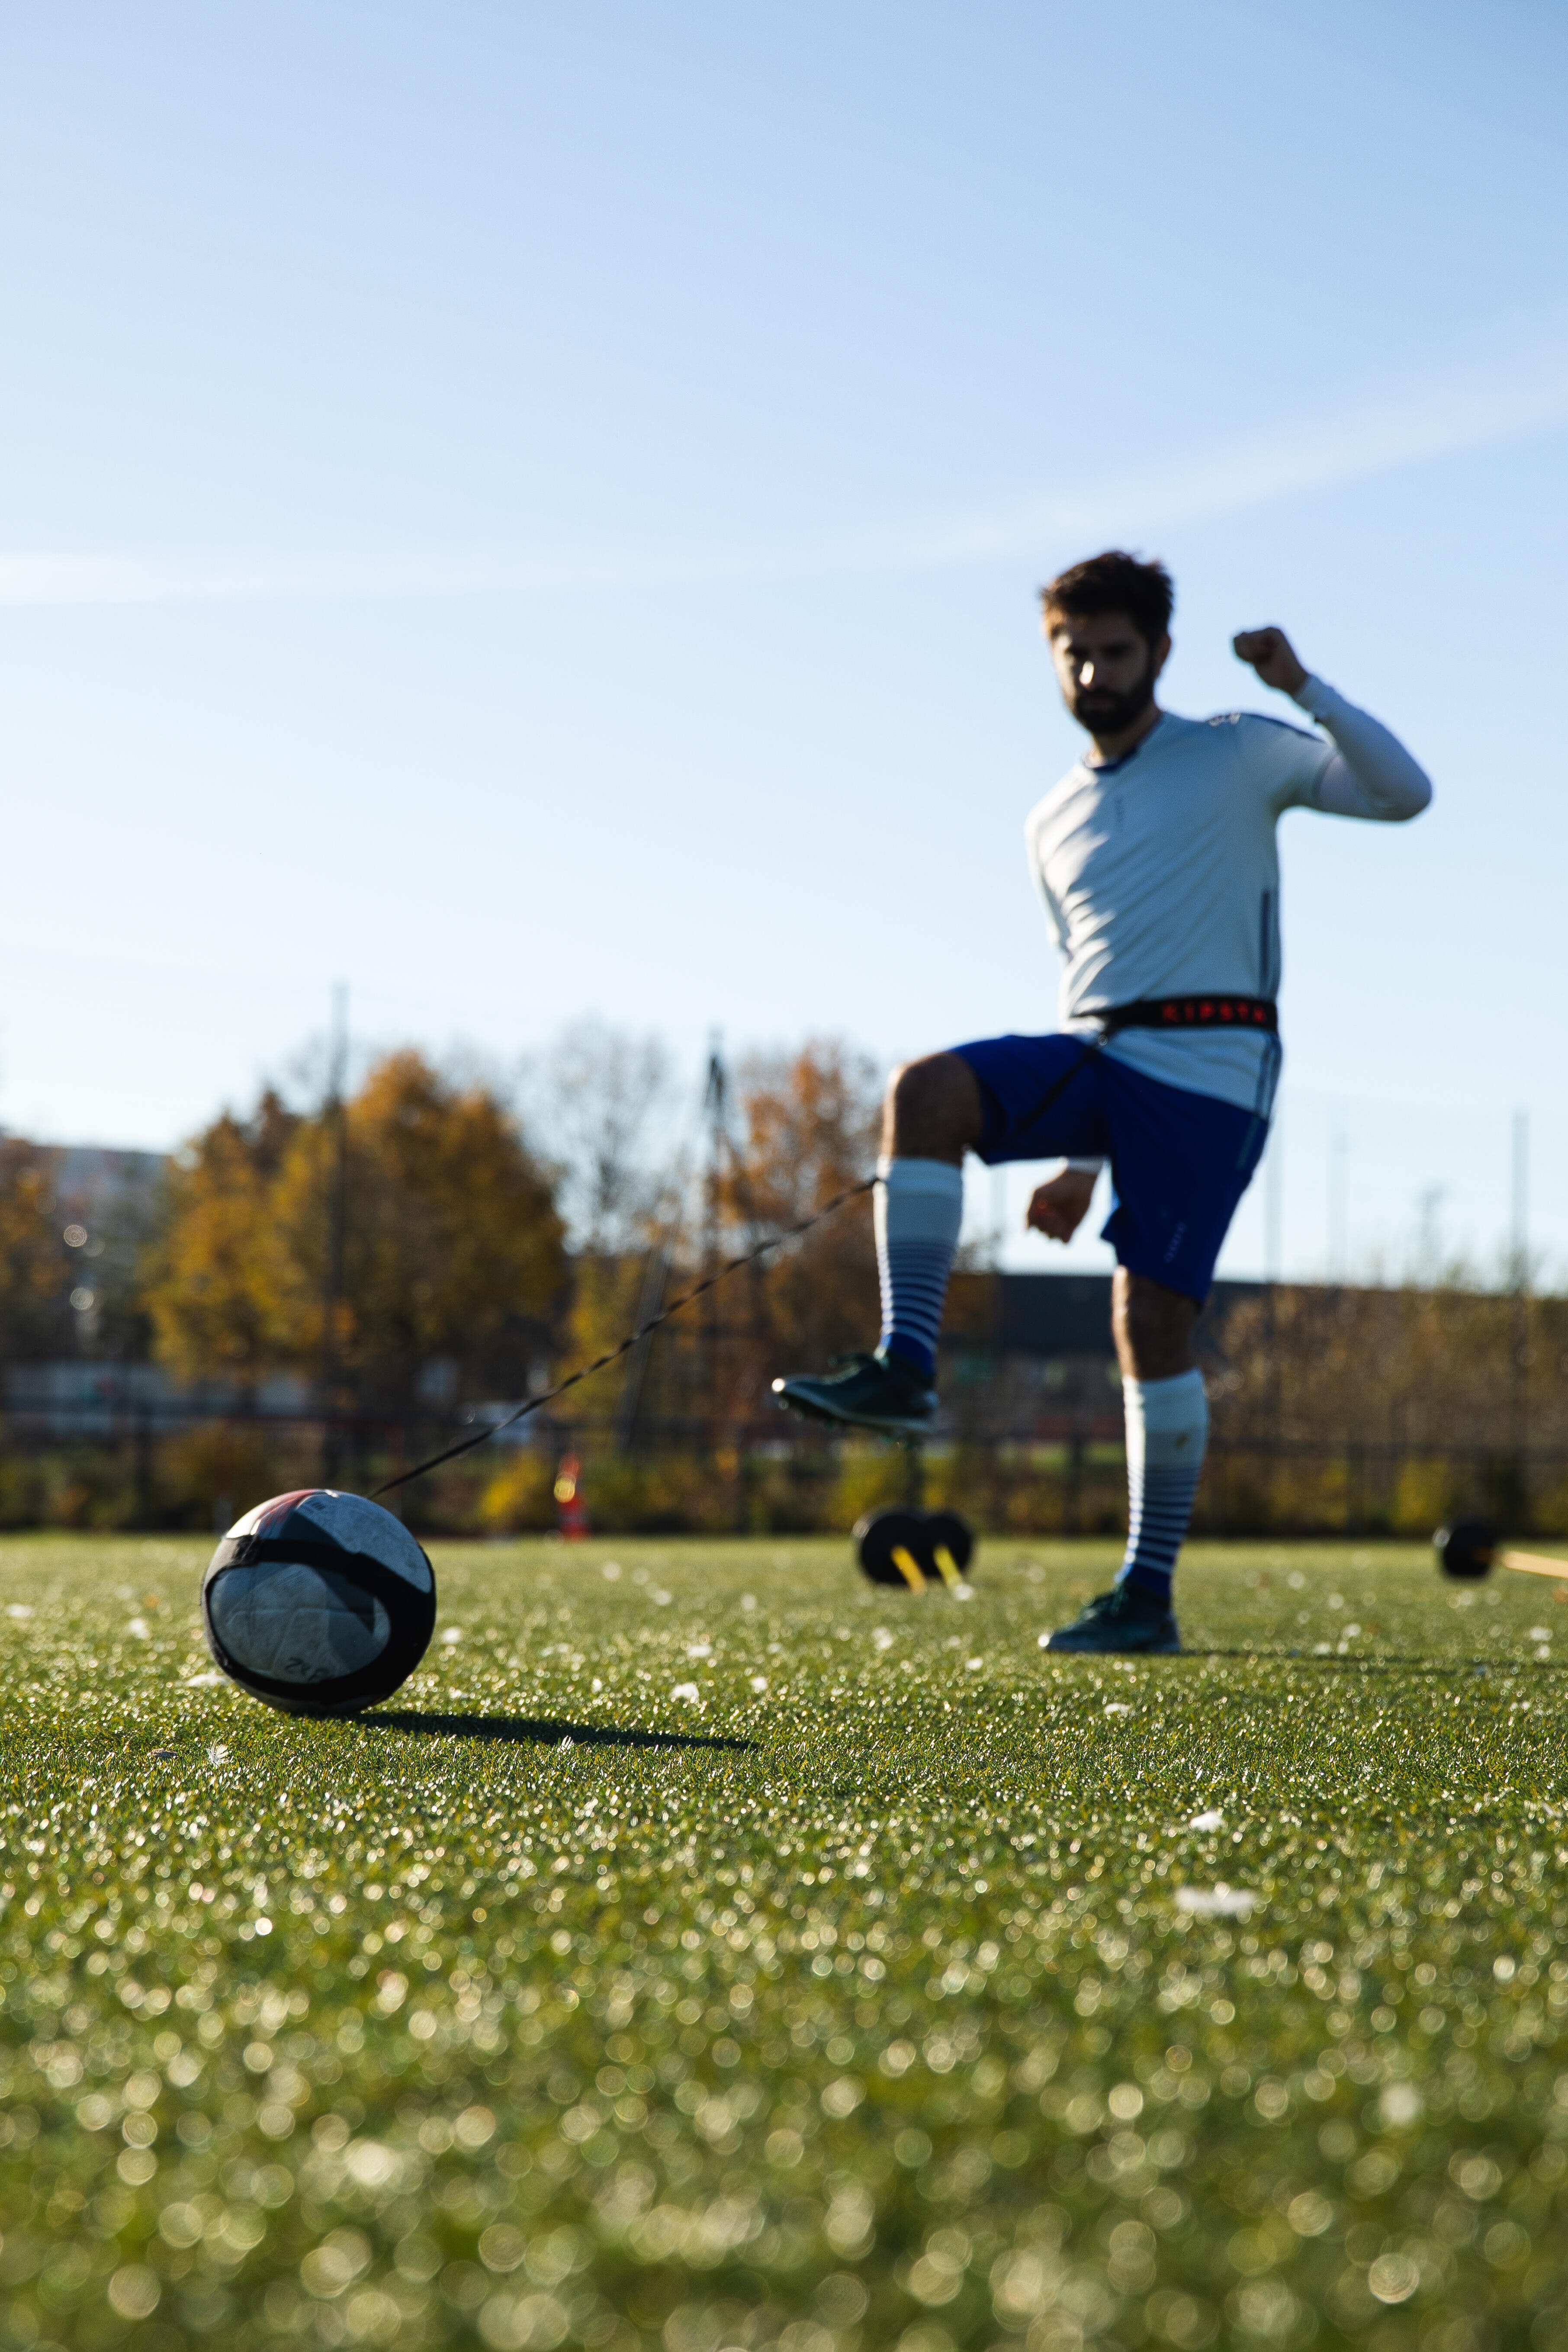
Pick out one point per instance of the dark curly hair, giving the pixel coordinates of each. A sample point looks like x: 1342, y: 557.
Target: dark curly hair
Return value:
x: 1114, y: 582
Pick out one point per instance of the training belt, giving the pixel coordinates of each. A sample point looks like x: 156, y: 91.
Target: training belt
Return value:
x: 1191, y: 1012
x: 1229, y: 1012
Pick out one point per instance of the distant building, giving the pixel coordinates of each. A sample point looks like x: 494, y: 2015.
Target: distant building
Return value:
x: 94, y: 1176
x: 90, y: 1397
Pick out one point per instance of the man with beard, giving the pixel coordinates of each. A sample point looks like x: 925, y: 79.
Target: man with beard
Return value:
x: 1157, y: 861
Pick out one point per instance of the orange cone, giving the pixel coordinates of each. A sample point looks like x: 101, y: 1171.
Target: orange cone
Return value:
x: 572, y: 1510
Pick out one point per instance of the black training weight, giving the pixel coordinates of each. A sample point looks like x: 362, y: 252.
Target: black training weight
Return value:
x: 1467, y: 1547
x: 956, y: 1536
x: 880, y: 1534
x: 919, y: 1535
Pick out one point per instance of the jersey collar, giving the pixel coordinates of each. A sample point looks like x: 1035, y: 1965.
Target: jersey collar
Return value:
x: 1110, y: 767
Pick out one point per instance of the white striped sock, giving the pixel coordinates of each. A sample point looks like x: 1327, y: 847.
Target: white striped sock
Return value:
x: 1167, y: 1431
x: 918, y: 1209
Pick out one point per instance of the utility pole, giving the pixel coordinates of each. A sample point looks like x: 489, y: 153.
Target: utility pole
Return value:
x: 1339, y: 1200
x: 1429, y: 1246
x: 335, y: 1130
x: 655, y: 1276
x: 1519, y: 1350
x: 715, y: 1113
x: 747, y: 1365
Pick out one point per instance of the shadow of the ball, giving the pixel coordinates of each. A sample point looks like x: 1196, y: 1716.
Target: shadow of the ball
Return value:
x: 317, y: 1707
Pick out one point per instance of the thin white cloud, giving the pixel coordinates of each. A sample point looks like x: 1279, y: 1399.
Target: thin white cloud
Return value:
x: 51, y: 579
x: 1506, y: 395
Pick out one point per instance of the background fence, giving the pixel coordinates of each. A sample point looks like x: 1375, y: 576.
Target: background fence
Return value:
x: 197, y: 1471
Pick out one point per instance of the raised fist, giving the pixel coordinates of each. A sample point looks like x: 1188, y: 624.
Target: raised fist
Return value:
x: 1272, y: 656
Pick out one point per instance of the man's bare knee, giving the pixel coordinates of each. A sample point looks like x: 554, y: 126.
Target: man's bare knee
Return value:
x: 1152, y: 1327
x: 932, y: 1110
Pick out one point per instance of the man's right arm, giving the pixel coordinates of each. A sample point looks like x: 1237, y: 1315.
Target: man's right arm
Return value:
x: 1368, y: 774
x: 1371, y: 773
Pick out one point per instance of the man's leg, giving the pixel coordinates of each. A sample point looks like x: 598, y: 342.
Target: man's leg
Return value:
x: 1152, y: 1327
x: 1004, y: 1098
x: 1167, y: 1427
x: 930, y: 1118
x: 931, y: 1110
x: 1181, y: 1163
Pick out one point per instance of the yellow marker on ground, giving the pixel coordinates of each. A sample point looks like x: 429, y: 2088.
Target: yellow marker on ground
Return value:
x: 908, y: 1568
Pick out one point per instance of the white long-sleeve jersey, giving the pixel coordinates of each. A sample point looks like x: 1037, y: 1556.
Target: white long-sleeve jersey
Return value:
x: 1161, y: 872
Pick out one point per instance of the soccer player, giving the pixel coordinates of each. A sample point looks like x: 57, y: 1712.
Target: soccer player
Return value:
x: 1157, y: 861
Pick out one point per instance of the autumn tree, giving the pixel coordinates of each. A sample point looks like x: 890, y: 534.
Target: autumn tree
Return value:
x: 804, y: 1128
x: 599, y: 1103
x: 800, y: 1128
x: 212, y: 1277
x: 35, y: 1261
x: 72, y: 1238
x: 453, y: 1248
x: 808, y: 1130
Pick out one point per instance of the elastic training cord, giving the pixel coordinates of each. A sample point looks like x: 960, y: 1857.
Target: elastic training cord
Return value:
x: 586, y: 1372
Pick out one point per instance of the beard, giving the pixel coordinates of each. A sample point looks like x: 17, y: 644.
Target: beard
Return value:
x: 1103, y: 711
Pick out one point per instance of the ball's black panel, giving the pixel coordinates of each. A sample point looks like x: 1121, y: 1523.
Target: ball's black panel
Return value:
x: 953, y: 1535
x: 1467, y: 1547
x: 882, y: 1533
x: 382, y: 1614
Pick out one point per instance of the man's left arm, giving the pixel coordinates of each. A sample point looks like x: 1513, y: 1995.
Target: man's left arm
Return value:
x: 1370, y: 774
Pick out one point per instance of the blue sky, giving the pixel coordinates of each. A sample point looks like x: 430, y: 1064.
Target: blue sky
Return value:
x: 533, y: 512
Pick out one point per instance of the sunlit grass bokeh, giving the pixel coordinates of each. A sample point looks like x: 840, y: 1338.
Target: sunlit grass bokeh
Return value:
x: 708, y: 1949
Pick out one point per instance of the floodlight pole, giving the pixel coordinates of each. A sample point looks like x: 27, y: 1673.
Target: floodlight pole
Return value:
x: 1339, y: 1200
x: 656, y: 1278
x: 1519, y: 1351
x: 714, y: 1108
x: 336, y: 1136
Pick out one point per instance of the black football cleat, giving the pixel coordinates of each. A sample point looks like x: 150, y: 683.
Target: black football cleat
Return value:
x: 1129, y: 1622
x: 881, y: 1393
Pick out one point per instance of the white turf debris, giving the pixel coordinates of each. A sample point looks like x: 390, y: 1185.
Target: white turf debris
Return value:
x: 1221, y: 1901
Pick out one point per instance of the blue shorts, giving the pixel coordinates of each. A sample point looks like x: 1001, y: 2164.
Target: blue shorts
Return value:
x: 1179, y: 1163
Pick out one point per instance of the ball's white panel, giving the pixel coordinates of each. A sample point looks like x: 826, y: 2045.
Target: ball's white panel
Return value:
x: 249, y: 1524
x: 294, y: 1623
x: 366, y: 1527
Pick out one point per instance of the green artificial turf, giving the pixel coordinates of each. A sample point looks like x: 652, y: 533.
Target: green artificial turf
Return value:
x: 708, y: 1949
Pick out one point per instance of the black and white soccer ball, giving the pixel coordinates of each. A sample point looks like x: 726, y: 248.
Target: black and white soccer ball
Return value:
x: 319, y: 1602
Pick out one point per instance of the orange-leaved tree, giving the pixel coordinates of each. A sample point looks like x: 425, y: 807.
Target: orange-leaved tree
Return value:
x: 452, y: 1249
x: 35, y: 1267
x: 212, y: 1277
x: 808, y: 1130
